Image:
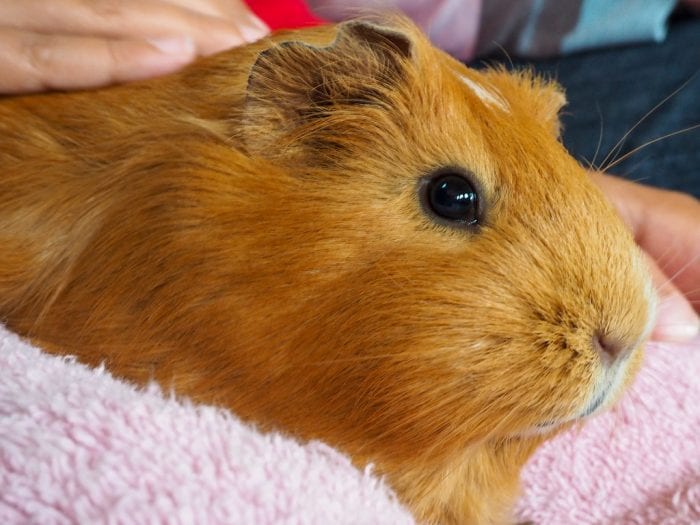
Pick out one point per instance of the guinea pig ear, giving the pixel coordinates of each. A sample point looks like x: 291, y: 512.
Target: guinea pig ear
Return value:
x: 540, y: 97
x: 390, y: 42
x: 549, y: 100
x: 294, y: 84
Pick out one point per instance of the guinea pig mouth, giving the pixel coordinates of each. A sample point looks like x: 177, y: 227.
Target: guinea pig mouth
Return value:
x: 607, y: 386
x: 591, y: 408
x: 596, y: 403
x: 545, y: 427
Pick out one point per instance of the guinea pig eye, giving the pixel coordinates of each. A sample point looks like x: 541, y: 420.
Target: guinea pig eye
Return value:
x: 451, y: 196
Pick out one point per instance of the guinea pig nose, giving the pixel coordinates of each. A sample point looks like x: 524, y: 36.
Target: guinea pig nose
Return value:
x: 609, y: 347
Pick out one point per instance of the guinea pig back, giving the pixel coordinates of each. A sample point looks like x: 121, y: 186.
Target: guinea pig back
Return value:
x: 341, y: 233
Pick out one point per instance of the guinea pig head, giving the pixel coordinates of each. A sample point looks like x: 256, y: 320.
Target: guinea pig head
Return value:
x: 445, y: 273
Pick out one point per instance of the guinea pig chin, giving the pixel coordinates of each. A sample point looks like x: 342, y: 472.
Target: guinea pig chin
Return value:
x: 608, y: 383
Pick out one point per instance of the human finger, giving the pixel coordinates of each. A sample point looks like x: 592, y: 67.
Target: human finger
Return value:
x: 676, y: 319
x: 236, y: 11
x: 31, y: 62
x: 127, y: 19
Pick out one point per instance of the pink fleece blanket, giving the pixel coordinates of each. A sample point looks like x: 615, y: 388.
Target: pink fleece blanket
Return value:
x: 77, y: 446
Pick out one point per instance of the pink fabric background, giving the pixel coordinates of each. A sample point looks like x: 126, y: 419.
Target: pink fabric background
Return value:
x: 77, y: 446
x: 636, y: 464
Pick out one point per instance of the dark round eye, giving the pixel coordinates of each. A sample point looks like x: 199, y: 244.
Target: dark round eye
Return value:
x: 451, y: 196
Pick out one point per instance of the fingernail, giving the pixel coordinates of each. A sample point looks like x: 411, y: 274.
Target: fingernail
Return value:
x: 254, y: 32
x: 676, y: 321
x: 258, y: 22
x: 183, y: 46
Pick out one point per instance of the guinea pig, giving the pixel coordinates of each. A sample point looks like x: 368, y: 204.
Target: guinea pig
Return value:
x: 340, y: 233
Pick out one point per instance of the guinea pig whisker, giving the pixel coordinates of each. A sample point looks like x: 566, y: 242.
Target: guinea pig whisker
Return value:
x: 680, y: 270
x: 627, y: 174
x: 685, y: 267
x: 505, y: 53
x: 617, y: 147
x: 691, y: 292
x: 649, y: 143
x: 672, y: 325
x: 600, y: 136
x: 666, y: 259
x: 640, y: 179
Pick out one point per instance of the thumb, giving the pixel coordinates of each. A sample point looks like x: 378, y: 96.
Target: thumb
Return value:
x: 676, y: 319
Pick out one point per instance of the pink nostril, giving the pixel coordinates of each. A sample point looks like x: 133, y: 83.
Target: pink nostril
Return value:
x: 609, y: 347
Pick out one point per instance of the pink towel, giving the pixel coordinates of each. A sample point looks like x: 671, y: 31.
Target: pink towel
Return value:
x: 77, y: 446
x: 636, y: 464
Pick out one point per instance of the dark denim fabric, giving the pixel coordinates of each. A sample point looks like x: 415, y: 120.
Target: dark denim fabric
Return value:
x: 616, y: 87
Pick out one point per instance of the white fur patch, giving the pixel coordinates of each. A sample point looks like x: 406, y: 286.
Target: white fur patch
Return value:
x: 608, y: 384
x: 652, y: 298
x: 484, y: 94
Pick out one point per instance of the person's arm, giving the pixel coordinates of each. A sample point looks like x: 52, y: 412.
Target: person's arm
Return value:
x: 69, y: 44
x: 666, y: 226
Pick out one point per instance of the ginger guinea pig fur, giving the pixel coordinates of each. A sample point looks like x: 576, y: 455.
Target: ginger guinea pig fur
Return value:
x: 341, y: 233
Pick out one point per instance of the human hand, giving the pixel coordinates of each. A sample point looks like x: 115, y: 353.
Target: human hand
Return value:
x: 77, y: 44
x: 666, y: 225
x: 692, y: 4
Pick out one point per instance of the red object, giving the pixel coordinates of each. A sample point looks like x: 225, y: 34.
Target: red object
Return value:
x: 284, y: 14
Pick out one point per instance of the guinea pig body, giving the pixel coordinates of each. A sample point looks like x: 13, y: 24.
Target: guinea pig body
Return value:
x: 270, y: 230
